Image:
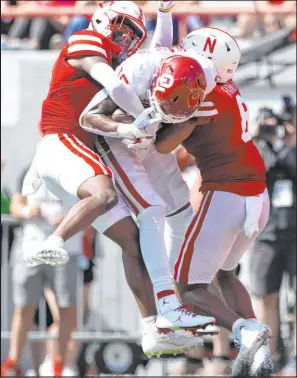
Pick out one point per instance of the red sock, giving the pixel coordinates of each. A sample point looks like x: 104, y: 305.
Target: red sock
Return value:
x: 165, y: 293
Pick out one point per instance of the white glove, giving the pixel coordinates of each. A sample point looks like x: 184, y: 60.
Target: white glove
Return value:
x: 142, y: 127
x: 165, y: 6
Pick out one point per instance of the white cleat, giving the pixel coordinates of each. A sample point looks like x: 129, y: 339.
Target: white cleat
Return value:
x: 211, y: 330
x: 182, y: 318
x: 48, y: 253
x: 250, y: 337
x: 171, y: 343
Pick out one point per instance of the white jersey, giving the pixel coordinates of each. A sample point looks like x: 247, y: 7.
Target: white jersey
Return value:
x: 138, y: 71
x: 35, y: 231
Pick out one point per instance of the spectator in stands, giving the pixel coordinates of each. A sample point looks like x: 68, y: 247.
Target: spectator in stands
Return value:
x: 274, y: 252
x: 6, y: 22
x: 41, y: 213
x: 36, y: 33
x: 267, y: 22
x: 78, y: 22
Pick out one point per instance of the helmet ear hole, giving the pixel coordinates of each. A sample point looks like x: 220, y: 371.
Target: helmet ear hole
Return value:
x: 175, y: 99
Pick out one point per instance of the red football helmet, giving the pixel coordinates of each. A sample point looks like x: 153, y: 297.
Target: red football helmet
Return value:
x: 178, y: 88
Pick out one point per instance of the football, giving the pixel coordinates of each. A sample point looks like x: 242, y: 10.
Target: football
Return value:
x: 121, y: 116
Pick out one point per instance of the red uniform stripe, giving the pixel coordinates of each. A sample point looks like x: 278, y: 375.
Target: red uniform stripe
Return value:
x: 185, y: 268
x: 127, y: 199
x: 91, y: 153
x: 96, y: 167
x: 142, y: 202
x: 187, y: 235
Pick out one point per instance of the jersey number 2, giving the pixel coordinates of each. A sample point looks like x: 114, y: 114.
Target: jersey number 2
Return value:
x: 244, y: 115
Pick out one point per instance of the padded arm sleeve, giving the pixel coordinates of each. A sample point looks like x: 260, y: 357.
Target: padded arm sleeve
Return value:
x: 163, y: 35
x: 121, y: 93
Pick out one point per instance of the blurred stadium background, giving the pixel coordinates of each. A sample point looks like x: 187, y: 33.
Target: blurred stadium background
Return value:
x: 32, y: 32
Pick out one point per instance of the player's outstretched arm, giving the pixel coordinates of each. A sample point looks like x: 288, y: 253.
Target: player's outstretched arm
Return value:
x: 121, y: 93
x: 170, y: 136
x: 101, y: 117
x: 163, y: 35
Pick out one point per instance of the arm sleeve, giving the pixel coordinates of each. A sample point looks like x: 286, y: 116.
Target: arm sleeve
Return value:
x: 121, y: 93
x: 163, y: 35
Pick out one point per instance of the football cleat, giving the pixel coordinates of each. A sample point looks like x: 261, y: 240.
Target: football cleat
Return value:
x: 181, y: 318
x: 47, y: 253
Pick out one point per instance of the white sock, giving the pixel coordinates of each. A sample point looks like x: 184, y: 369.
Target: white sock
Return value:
x: 151, y: 230
x: 175, y: 230
x: 168, y: 303
x: 149, y: 323
x: 252, y: 320
x: 57, y: 240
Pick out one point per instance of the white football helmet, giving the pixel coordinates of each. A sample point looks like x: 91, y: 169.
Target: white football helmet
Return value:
x: 217, y: 45
x: 113, y: 15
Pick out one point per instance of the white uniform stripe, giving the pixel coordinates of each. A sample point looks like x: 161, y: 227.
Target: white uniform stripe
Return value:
x: 206, y: 113
x: 191, y: 234
x: 204, y: 104
x: 99, y: 161
x: 82, y: 37
x: 84, y: 153
x: 86, y: 47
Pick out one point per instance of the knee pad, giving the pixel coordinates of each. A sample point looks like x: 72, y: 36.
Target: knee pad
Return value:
x: 152, y: 217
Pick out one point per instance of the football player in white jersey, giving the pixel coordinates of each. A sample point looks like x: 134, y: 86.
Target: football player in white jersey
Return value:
x: 178, y: 84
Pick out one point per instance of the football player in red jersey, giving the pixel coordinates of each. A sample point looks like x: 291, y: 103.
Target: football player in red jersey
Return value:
x: 235, y: 204
x: 64, y: 159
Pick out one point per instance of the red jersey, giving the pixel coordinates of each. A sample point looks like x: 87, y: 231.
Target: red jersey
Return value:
x: 225, y: 154
x: 71, y: 89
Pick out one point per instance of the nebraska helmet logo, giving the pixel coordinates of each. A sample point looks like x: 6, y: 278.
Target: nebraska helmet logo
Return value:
x: 210, y: 45
x: 163, y: 82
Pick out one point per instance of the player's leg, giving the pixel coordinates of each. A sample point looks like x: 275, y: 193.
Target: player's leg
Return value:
x: 213, y: 249
x: 207, y: 244
x: 166, y: 178
x: 232, y: 289
x: 125, y: 233
x: 135, y: 186
x: 118, y: 225
x: 75, y: 174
